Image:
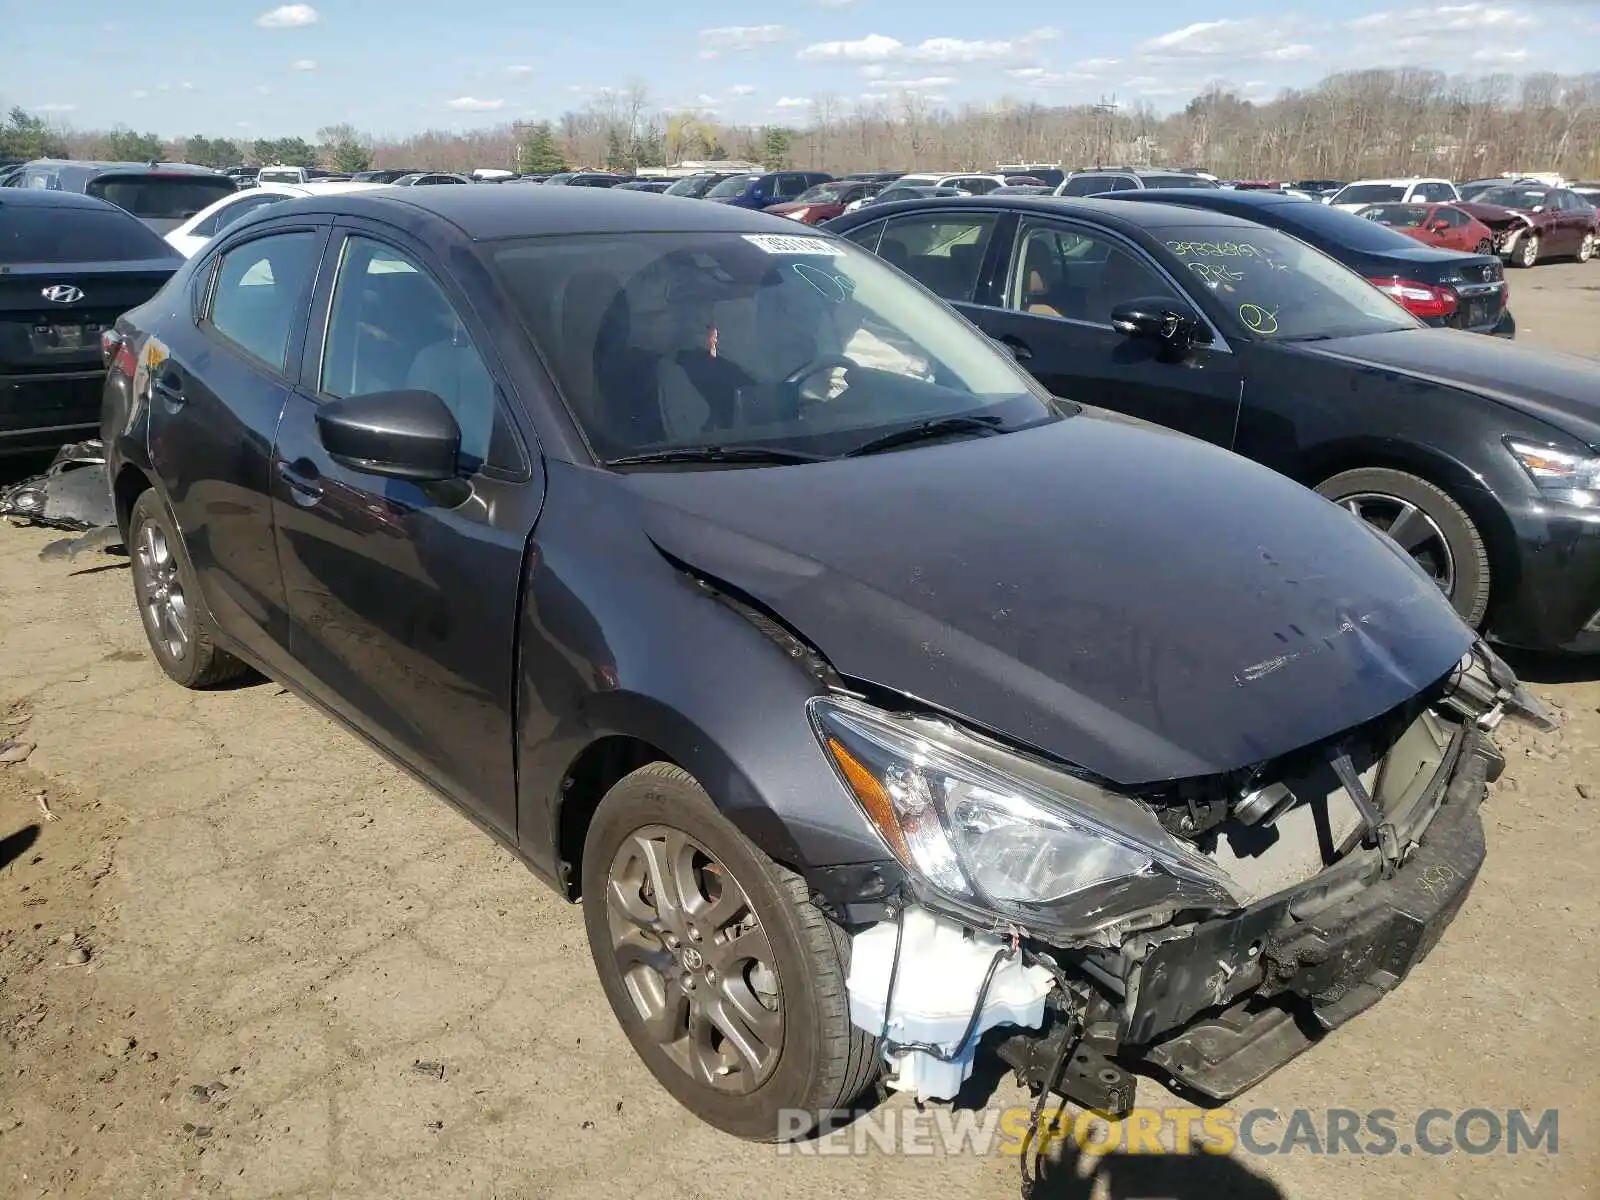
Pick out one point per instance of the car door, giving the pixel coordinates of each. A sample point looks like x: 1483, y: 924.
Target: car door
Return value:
x: 1576, y: 220
x: 219, y: 376
x: 403, y: 597
x: 1051, y: 303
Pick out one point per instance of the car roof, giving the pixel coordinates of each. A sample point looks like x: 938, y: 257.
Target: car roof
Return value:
x: 43, y: 198
x: 1115, y: 213
x: 490, y: 213
x: 1400, y: 180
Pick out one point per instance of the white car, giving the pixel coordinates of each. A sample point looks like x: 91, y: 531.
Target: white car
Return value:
x: 200, y: 228
x: 1362, y: 192
x: 974, y: 183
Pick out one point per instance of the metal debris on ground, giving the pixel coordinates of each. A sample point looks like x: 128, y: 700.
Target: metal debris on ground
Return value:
x: 434, y: 1069
x: 44, y: 808
x: 73, y: 493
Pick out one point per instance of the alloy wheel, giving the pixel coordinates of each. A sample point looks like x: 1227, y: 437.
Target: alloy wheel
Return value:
x: 1586, y: 249
x: 695, y: 962
x: 1412, y: 529
x: 1528, y: 252
x: 1484, y: 247
x: 161, y: 591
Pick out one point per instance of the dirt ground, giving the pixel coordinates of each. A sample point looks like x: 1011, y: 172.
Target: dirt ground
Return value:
x: 242, y: 955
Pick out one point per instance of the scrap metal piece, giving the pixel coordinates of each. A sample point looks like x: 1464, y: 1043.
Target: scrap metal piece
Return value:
x: 74, y: 493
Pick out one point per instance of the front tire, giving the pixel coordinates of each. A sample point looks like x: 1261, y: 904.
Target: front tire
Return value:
x: 1428, y: 524
x: 1484, y: 247
x: 1527, y: 252
x: 1585, y: 248
x: 727, y: 979
x: 168, y: 595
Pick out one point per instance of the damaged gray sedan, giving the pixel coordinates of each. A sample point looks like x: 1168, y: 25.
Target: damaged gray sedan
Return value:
x: 882, y: 710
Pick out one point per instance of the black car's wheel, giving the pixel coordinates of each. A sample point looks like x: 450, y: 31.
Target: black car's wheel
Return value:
x: 1484, y: 247
x: 164, y: 585
x: 1585, y: 248
x: 1527, y: 251
x: 1427, y: 524
x: 728, y: 981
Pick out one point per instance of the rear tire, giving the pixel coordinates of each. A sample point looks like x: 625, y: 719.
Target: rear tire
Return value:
x: 168, y: 596
x: 1527, y: 252
x: 1384, y: 498
x: 647, y: 949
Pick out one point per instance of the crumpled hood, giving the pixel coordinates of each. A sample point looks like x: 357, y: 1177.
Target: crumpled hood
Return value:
x: 1496, y: 215
x: 1139, y: 603
x: 1561, y: 389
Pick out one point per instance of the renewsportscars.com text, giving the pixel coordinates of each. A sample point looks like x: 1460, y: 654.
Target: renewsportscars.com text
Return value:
x: 1255, y: 1131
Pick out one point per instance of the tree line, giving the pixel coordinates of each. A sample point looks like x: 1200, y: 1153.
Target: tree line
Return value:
x: 1349, y: 125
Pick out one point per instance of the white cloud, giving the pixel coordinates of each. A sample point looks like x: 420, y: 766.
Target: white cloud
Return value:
x: 519, y: 71
x: 55, y: 108
x: 741, y: 39
x: 138, y: 94
x: 793, y: 102
x: 742, y: 89
x: 1027, y: 72
x: 289, y: 16
x: 703, y: 98
x: 1091, y: 65
x: 879, y: 48
x: 926, y: 83
x: 833, y: 3
x: 186, y: 86
x: 472, y: 104
x: 241, y: 124
x: 263, y: 90
x: 1443, y: 19
x: 1507, y: 56
x: 303, y: 64
x: 1248, y: 40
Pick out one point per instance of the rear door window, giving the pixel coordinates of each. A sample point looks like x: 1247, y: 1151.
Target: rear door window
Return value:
x: 229, y: 213
x: 942, y: 251
x: 1086, y: 185
x: 261, y: 291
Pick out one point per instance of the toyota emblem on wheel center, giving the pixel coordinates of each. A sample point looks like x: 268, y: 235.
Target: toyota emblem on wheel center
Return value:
x: 62, y: 293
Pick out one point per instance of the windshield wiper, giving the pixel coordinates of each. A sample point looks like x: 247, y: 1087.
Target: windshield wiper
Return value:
x: 927, y: 431
x: 727, y: 454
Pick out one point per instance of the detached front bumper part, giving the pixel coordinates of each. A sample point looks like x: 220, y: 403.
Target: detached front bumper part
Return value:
x: 1319, y: 972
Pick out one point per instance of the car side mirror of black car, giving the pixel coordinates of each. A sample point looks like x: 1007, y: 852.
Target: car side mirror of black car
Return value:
x: 1161, y: 319
x: 401, y: 435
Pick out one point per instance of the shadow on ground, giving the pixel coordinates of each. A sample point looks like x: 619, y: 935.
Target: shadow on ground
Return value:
x: 1075, y: 1175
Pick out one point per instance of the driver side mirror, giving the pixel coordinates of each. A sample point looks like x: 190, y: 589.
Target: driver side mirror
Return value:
x: 1161, y: 319
x: 400, y: 435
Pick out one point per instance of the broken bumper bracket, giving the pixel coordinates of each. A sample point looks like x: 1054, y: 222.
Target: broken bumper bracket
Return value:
x: 1339, y: 962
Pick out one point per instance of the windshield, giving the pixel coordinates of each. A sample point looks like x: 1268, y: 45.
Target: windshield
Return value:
x: 48, y: 234
x: 1405, y: 216
x: 822, y: 193
x: 1265, y: 285
x: 1178, y: 181
x: 663, y: 341
x: 694, y: 185
x: 161, y: 197
x: 1514, y: 197
x: 1369, y: 193
x: 733, y: 186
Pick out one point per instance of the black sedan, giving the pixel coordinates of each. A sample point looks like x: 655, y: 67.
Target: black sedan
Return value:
x: 1442, y: 287
x: 1480, y: 457
x: 756, y: 599
x: 69, y: 264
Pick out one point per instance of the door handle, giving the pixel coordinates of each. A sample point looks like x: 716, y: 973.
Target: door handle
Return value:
x: 303, y: 490
x: 1019, y: 348
x: 167, y: 387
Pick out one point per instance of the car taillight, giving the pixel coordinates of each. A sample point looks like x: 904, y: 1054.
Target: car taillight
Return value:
x: 110, y: 340
x: 1418, y: 299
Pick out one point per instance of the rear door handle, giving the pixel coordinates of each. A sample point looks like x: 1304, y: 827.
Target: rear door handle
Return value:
x: 1020, y: 349
x: 167, y: 387
x: 302, y: 490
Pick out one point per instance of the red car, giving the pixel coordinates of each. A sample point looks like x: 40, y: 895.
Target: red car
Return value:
x: 1445, y: 226
x: 827, y: 200
x: 1532, y: 222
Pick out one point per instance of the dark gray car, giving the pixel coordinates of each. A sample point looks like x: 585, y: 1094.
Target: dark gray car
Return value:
x: 162, y: 195
x: 755, y: 599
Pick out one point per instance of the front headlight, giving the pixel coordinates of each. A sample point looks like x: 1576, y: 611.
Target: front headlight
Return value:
x: 1571, y: 477
x: 1000, y: 836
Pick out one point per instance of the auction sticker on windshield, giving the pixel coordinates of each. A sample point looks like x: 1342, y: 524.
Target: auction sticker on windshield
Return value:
x: 778, y: 243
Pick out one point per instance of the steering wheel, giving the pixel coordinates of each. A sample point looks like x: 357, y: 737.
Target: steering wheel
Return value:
x: 805, y: 371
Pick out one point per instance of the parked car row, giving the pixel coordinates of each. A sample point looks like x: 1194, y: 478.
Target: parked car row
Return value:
x: 1016, y: 686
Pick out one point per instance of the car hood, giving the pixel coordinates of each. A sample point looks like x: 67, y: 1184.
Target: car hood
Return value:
x: 1135, y: 602
x: 1495, y: 215
x: 1561, y: 389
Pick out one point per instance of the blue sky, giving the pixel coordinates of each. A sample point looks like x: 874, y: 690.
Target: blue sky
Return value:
x: 246, y: 68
